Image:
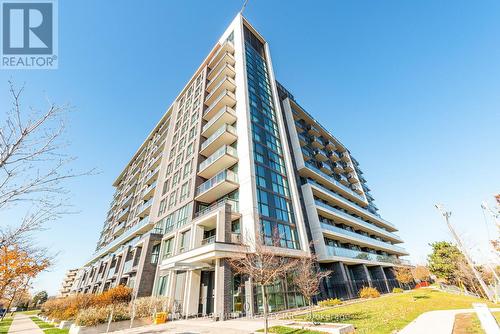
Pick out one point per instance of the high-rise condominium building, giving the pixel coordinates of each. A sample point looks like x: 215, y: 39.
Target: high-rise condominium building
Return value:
x: 235, y: 159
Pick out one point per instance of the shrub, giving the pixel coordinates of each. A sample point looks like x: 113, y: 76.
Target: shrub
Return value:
x: 147, y: 306
x: 117, y: 295
x: 422, y: 285
x: 368, y: 292
x: 94, y: 316
x: 397, y: 290
x: 330, y: 302
x: 67, y: 308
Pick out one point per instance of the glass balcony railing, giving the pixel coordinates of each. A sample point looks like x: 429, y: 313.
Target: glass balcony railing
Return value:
x: 216, y: 134
x: 357, y: 254
x: 217, y: 154
x: 351, y: 204
x: 335, y: 182
x: 145, y: 205
x: 217, y: 100
x: 234, y: 207
x: 358, y: 221
x: 225, y: 175
x: 364, y: 238
x: 209, y: 240
x: 215, y: 118
x: 149, y: 188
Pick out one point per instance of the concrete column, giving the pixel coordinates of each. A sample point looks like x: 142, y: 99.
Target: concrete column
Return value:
x: 385, y: 279
x: 218, y: 290
x: 367, y: 274
x: 193, y: 293
x: 249, y: 298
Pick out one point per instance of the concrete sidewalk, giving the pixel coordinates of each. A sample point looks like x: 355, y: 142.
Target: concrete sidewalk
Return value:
x: 22, y: 324
x: 436, y: 322
x: 205, y: 326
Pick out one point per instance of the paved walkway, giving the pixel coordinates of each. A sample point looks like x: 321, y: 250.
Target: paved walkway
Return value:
x: 205, y: 326
x: 22, y: 324
x: 440, y: 322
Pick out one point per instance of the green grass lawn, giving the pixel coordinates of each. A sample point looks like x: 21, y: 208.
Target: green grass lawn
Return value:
x: 48, y: 328
x: 5, y: 325
x: 289, y: 330
x: 497, y: 316
x: 388, y: 313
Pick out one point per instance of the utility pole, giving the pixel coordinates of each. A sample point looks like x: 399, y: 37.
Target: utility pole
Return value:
x: 446, y: 215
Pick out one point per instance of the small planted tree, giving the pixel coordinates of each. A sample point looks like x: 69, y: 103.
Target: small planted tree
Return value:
x: 264, y: 267
x: 307, y: 278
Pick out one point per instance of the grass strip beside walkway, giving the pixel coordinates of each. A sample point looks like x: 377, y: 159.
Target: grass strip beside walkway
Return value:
x: 48, y: 328
x: 5, y: 325
x: 389, y: 313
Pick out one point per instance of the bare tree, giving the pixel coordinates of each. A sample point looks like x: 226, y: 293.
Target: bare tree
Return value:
x: 264, y: 267
x: 307, y: 278
x: 33, y: 166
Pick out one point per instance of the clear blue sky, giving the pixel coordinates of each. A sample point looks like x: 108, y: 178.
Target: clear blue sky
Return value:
x: 411, y: 87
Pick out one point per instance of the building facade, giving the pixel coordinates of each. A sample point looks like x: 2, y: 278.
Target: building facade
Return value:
x: 228, y: 166
x: 67, y: 283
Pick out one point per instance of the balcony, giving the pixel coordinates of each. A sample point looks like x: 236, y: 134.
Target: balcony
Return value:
x: 209, y: 240
x: 343, y: 180
x: 145, y: 208
x: 320, y: 155
x: 151, y: 174
x: 313, y: 130
x: 303, y: 139
x: 225, y: 83
x: 325, y: 168
x: 314, y: 173
x: 225, y: 135
x: 360, y: 255
x: 345, y: 156
x: 357, y: 188
x: 223, y: 158
x: 155, y: 162
x: 222, y: 68
x: 308, y: 155
x: 329, y: 145
x: 127, y: 200
x: 129, y: 188
x: 226, y: 47
x: 226, y: 98
x: 234, y: 208
x: 119, y: 229
x: 123, y: 215
x: 221, y: 184
x: 348, y: 167
x: 148, y: 192
x: 330, y: 212
x: 350, y: 236
x: 338, y: 167
x: 352, y: 178
x: 316, y: 142
x: 299, y: 127
x: 225, y: 115
x: 334, y: 156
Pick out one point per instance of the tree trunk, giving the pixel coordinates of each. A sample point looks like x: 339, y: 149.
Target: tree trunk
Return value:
x: 311, y: 309
x: 264, y: 305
